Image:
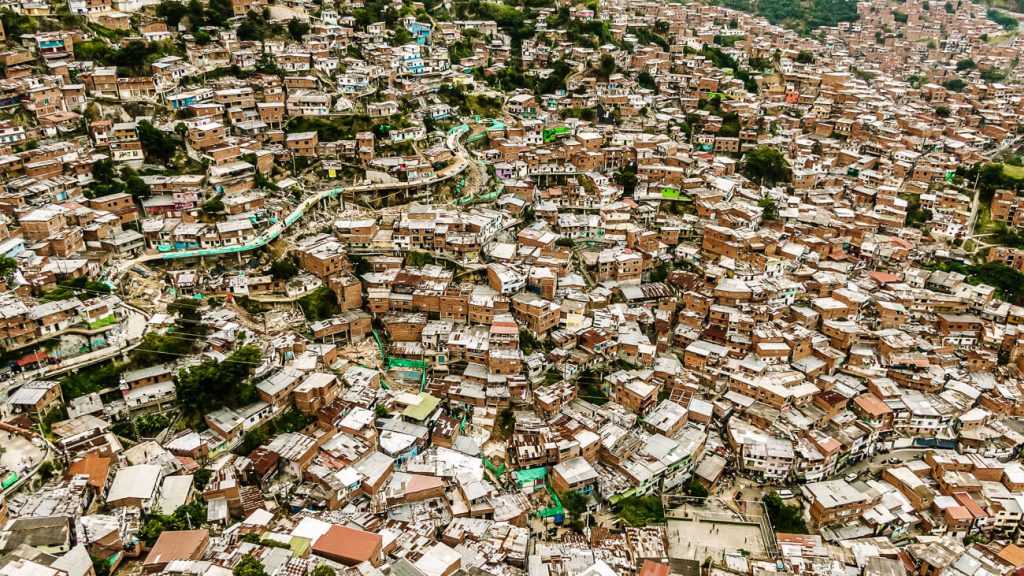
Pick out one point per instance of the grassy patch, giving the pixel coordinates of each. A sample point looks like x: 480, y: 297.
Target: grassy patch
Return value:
x: 92, y: 380
x: 482, y: 105
x: 784, y: 517
x: 319, y: 304
x: 984, y: 224
x: 640, y: 511
x: 591, y: 389
x: 1000, y: 38
x: 679, y: 208
x: 1013, y: 171
x: 290, y: 421
x: 1008, y: 282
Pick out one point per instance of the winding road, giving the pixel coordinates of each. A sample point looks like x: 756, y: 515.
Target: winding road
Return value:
x: 134, y: 326
x: 461, y: 162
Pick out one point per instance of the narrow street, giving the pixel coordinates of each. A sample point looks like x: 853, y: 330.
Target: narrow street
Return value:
x: 133, y: 327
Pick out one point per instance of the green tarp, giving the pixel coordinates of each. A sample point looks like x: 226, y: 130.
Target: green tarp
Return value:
x: 530, y: 475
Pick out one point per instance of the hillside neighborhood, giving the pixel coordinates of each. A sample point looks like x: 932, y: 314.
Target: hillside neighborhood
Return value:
x: 473, y: 287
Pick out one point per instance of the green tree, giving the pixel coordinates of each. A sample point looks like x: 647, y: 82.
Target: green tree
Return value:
x: 338, y: 128
x: 575, y: 504
x: 290, y: 421
x: 149, y: 425
x: 993, y: 75
x: 529, y: 343
x: 94, y: 50
x: 555, y: 81
x: 297, y: 29
x: 15, y: 25
x: 100, y: 565
x: 185, y: 517
x: 506, y: 422
x: 1003, y: 19
x: 965, y: 64
x: 218, y: 13
x: 990, y: 177
x: 805, y: 57
x: 955, y: 85
x: 660, y: 272
x: 8, y: 266
x: 210, y: 385
x: 402, y: 36
x: 627, y: 178
x: 249, y: 32
x: 172, y: 12
x: 319, y: 304
x: 134, y: 58
x: 103, y: 170
x: 92, y: 112
x: 765, y: 165
x: 105, y: 183
x: 695, y: 489
x: 81, y: 286
x: 591, y: 387
x: 158, y: 145
x: 321, y: 570
x: 418, y: 259
x: 640, y: 510
x: 96, y: 378
x: 607, y: 66
x: 249, y: 566
x: 156, y: 348
x: 769, y: 210
x: 195, y: 13
x: 252, y: 440
x: 253, y: 28
x: 201, y: 477
x: 285, y: 269
x: 588, y: 114
x: 48, y: 468
x: 803, y: 16
x: 134, y: 184
x: 189, y: 316
x: 784, y: 517
x: 645, y: 80
x: 213, y: 206
x: 1008, y: 282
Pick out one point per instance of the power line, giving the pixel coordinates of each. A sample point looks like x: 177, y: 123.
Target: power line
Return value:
x: 75, y: 289
x: 183, y: 338
x: 198, y: 339
x: 175, y: 332
x: 228, y: 359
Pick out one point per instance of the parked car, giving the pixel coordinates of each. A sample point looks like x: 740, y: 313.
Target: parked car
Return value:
x: 850, y: 477
x: 786, y: 494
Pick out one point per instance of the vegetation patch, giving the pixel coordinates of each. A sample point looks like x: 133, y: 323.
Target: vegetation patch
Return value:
x: 640, y: 511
